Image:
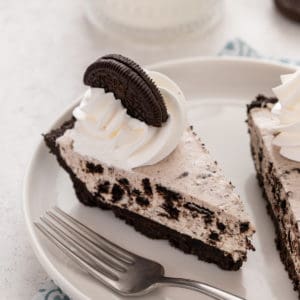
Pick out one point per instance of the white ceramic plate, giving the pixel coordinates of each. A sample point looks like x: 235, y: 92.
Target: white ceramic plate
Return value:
x: 217, y: 90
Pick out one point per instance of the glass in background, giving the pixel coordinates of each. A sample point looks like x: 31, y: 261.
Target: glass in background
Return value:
x: 155, y: 20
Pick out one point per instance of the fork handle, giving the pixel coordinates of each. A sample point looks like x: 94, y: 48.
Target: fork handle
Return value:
x: 204, y: 288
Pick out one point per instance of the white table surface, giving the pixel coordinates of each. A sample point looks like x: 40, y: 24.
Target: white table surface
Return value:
x: 45, y: 47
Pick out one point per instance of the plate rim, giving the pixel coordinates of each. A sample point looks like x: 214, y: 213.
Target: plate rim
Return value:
x: 66, y: 285
x: 224, y: 58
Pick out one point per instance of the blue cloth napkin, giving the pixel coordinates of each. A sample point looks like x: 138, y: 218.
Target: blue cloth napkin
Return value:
x: 49, y: 291
x: 238, y: 47
x: 235, y: 47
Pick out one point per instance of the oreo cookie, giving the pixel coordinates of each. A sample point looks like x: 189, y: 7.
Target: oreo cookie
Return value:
x: 289, y: 8
x: 129, y: 83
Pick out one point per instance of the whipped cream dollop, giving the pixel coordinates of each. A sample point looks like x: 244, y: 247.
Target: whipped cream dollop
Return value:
x: 104, y: 131
x: 287, y: 110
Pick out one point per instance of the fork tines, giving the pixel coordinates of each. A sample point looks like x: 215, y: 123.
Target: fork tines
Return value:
x: 98, y: 256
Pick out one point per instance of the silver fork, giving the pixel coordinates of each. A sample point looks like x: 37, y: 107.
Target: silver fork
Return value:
x: 120, y: 270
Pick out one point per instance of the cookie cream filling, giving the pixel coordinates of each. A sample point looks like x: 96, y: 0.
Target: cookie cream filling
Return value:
x: 287, y: 111
x: 220, y: 199
x: 281, y: 184
x: 106, y: 132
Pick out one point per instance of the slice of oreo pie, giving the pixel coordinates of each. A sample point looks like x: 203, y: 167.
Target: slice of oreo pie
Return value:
x: 184, y: 198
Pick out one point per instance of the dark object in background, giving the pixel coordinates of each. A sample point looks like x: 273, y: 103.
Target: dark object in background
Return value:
x: 289, y: 8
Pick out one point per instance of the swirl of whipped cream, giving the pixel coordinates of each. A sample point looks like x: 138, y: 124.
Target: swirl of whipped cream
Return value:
x: 103, y: 130
x: 287, y: 110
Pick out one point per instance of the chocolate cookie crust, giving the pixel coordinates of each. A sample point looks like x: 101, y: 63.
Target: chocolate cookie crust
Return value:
x: 261, y: 101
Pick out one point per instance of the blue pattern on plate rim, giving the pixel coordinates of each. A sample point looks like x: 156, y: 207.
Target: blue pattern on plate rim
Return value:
x: 235, y: 47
